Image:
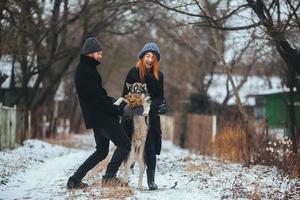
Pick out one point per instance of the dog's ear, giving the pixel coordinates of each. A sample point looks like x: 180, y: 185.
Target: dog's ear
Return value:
x: 128, y: 85
x: 144, y: 86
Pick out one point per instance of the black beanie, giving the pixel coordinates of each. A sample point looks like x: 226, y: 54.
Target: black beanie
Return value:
x: 91, y: 45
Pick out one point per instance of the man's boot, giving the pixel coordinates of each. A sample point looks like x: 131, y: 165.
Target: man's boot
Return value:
x: 74, y: 183
x: 112, y: 181
x: 150, y: 179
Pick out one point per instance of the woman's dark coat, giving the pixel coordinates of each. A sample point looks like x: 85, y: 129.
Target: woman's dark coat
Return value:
x: 156, y: 92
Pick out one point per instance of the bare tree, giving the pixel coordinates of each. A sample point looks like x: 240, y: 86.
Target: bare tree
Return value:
x: 277, y: 19
x: 44, y: 39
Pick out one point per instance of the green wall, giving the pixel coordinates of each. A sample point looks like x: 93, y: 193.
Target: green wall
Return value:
x: 276, y: 109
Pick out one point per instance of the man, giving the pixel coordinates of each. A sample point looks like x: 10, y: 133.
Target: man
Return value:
x: 100, y: 114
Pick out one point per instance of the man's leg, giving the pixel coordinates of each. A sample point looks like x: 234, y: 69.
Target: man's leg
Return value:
x: 102, y: 148
x: 115, y: 132
x: 127, y: 124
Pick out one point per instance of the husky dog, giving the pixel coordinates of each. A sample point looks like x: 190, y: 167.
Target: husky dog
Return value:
x: 137, y: 88
x: 139, y: 135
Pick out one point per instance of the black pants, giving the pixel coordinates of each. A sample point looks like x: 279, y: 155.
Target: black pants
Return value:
x: 110, y: 129
x: 153, y: 140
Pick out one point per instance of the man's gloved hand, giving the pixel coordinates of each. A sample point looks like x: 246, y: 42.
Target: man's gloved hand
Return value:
x: 119, y: 109
x: 113, y: 100
x: 122, y: 105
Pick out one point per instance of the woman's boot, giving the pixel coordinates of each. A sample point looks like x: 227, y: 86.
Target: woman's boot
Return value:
x: 150, y: 179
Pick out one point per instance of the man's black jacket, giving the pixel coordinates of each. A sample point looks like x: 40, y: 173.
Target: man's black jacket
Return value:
x: 94, y: 101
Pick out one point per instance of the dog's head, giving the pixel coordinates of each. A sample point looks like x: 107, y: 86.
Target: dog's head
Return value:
x: 137, y: 88
x: 141, y: 89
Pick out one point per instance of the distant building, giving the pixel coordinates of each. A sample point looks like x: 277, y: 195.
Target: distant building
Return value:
x: 7, y: 95
x: 5, y: 68
x: 253, y: 85
x: 262, y: 97
x: 273, y: 106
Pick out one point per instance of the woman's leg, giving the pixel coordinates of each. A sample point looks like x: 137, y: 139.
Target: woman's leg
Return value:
x: 151, y: 150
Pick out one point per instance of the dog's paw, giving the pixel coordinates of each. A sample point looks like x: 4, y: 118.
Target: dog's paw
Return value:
x: 125, y: 180
x: 146, y: 111
x: 140, y: 187
x: 119, y: 101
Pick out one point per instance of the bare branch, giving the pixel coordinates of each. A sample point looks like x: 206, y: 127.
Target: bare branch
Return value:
x: 295, y: 12
x: 236, y: 28
x: 177, y: 10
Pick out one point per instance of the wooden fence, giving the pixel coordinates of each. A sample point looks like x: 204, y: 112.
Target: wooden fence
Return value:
x: 12, y: 128
x: 201, y: 131
x: 194, y: 132
x: 179, y: 129
x: 167, y: 127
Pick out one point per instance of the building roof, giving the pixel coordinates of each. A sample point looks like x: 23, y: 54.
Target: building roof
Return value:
x: 253, y: 86
x: 5, y: 68
x: 275, y: 91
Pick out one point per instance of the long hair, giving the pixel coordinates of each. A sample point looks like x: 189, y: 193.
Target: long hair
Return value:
x: 142, y: 68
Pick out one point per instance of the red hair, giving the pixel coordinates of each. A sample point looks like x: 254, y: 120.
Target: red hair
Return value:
x: 142, y: 68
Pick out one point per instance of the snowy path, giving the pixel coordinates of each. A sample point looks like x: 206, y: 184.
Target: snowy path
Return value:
x: 44, y: 181
x: 40, y: 171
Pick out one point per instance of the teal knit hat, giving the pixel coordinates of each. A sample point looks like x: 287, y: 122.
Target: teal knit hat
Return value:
x: 150, y: 47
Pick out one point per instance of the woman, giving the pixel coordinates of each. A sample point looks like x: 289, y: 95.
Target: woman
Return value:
x: 147, y: 71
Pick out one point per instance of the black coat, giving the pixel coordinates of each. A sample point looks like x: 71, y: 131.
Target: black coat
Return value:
x: 156, y: 92
x: 155, y: 87
x: 94, y: 102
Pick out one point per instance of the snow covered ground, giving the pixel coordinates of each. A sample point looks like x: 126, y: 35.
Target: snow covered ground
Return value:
x: 39, y: 170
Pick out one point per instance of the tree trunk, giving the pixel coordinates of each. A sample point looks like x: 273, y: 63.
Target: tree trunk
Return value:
x: 76, y: 117
x: 292, y: 121
x: 245, y: 123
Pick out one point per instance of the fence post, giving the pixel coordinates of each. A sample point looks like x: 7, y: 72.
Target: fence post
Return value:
x: 1, y: 127
x: 9, y: 130
x: 5, y: 126
x: 8, y: 126
x: 12, y: 124
x: 214, y: 128
x: 29, y: 125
